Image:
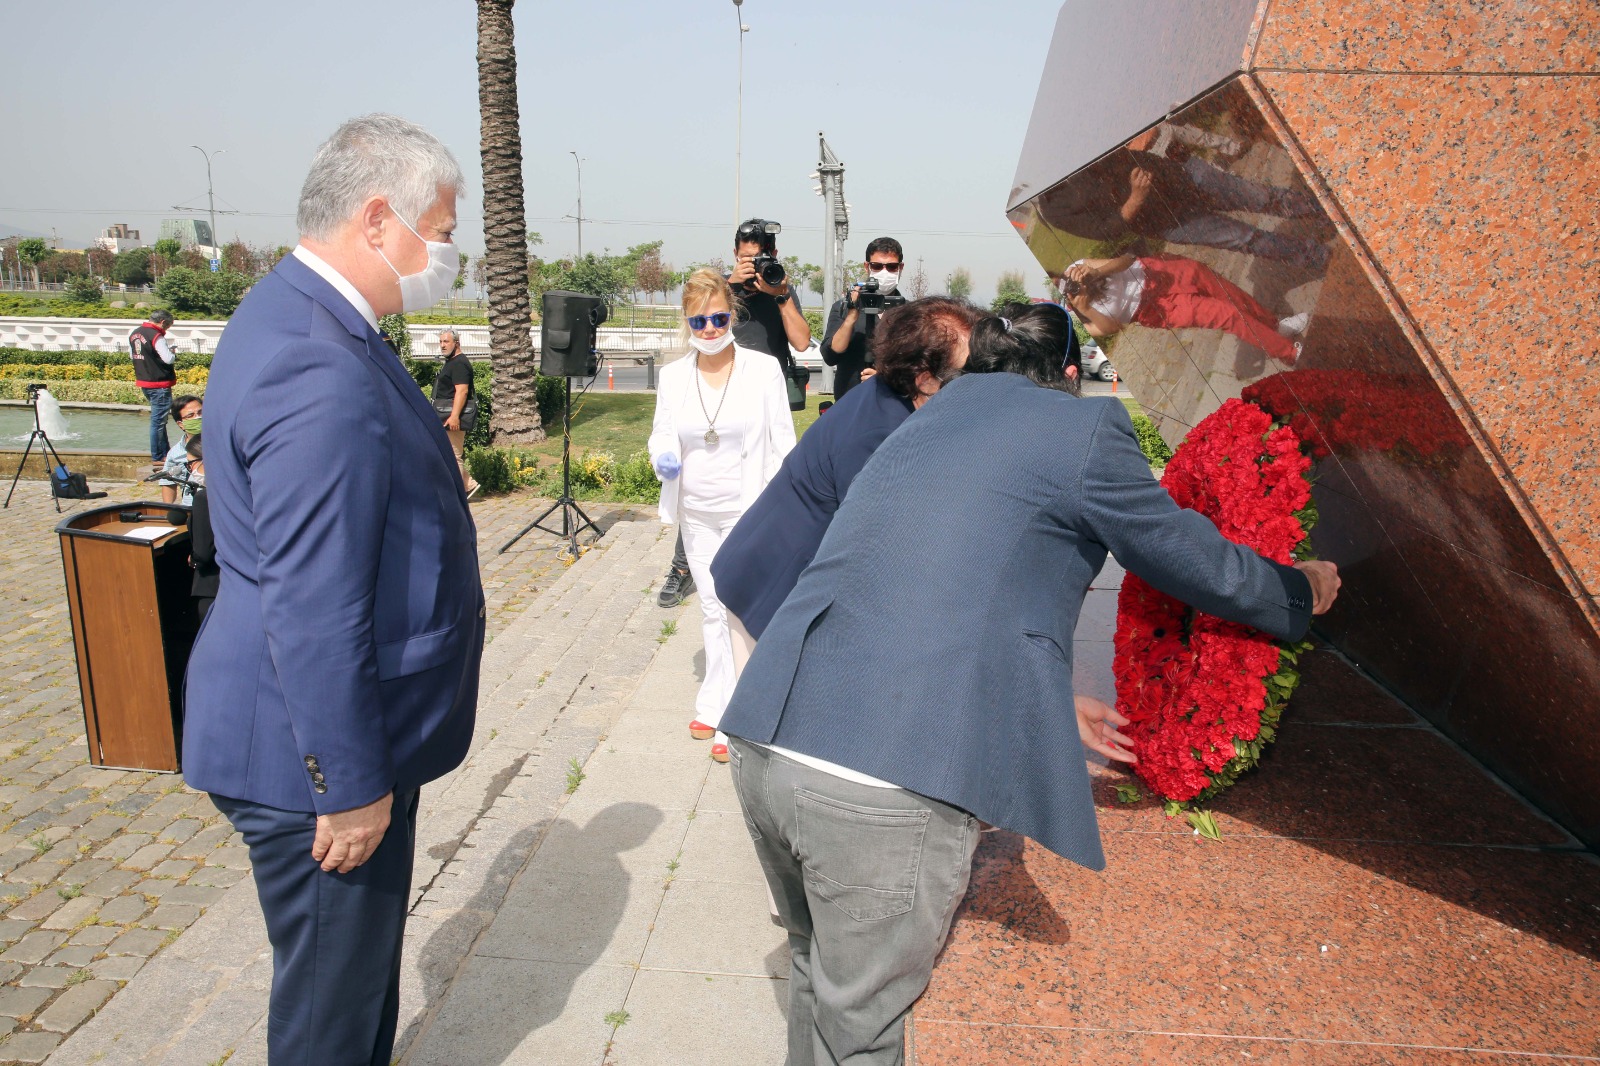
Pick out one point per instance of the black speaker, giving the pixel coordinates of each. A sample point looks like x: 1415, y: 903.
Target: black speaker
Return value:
x: 566, y: 334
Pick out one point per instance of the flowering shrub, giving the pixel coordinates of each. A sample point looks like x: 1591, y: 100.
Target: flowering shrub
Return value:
x: 1204, y: 695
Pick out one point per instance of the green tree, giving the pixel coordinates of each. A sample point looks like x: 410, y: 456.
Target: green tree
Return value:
x: 32, y: 250
x: 1012, y: 288
x: 82, y: 289
x: 505, y: 230
x: 605, y: 276
x: 395, y: 327
x: 132, y: 267
x: 959, y: 283
x: 461, y: 274
x: 168, y: 247
x: 186, y: 289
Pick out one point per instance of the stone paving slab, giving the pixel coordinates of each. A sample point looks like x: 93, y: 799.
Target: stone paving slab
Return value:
x: 102, y: 871
x: 205, y: 996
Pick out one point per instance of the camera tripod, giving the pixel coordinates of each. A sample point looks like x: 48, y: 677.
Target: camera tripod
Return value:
x: 47, y: 451
x: 573, y: 520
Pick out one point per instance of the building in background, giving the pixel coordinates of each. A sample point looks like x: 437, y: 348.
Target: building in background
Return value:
x: 191, y: 233
x: 118, y: 238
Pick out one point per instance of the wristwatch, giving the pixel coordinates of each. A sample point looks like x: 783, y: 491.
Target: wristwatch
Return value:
x: 781, y: 298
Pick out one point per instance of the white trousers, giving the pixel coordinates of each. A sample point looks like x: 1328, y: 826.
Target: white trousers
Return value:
x: 703, y: 534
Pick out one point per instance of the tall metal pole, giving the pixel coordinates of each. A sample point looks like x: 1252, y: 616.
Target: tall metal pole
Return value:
x: 211, y: 198
x: 578, y: 161
x: 738, y: 136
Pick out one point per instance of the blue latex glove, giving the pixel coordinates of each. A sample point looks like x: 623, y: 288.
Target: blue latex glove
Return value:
x: 667, y: 466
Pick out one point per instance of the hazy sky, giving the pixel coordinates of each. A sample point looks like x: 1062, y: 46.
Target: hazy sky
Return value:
x: 926, y: 103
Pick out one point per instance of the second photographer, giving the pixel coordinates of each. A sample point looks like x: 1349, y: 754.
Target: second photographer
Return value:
x: 847, y: 340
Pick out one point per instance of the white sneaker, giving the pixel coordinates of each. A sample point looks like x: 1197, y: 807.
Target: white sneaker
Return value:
x: 1294, y: 325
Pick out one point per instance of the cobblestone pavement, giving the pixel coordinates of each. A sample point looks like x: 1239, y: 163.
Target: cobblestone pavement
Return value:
x: 101, y: 869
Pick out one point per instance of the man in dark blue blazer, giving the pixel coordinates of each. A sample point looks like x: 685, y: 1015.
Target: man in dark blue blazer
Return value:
x: 919, y: 347
x: 919, y: 676
x: 338, y: 670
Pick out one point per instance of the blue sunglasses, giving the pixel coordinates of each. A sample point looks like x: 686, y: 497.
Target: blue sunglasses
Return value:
x: 719, y: 320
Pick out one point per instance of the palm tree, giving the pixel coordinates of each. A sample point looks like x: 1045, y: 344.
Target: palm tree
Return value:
x: 516, y: 406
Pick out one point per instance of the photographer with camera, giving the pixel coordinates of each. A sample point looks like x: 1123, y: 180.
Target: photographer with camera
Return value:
x: 847, y: 345
x: 771, y: 323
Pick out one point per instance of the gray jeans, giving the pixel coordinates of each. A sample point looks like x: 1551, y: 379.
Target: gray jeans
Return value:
x: 866, y: 881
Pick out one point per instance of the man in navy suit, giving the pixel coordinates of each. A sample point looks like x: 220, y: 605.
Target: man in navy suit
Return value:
x: 918, y: 677
x: 338, y: 670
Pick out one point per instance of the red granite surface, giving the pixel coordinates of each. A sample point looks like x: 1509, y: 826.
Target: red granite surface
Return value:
x: 1376, y: 897
x: 1490, y: 36
x: 1478, y: 199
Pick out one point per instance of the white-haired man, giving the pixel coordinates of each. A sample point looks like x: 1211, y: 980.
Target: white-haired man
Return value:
x: 338, y: 670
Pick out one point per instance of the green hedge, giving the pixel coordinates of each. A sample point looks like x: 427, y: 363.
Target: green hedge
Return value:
x: 86, y: 391
x: 12, y: 304
x: 595, y: 475
x: 1150, y: 441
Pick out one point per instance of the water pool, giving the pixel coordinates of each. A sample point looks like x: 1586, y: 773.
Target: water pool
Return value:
x: 88, y: 429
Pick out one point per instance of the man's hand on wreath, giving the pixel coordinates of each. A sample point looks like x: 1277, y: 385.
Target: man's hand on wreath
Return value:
x: 1097, y: 728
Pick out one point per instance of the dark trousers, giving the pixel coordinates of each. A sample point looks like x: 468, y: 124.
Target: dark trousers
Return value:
x: 335, y: 937
x: 680, y: 558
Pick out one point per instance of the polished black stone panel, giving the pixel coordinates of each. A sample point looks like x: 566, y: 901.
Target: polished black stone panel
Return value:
x: 1167, y: 53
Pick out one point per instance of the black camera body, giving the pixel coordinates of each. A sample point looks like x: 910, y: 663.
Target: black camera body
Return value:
x: 766, y: 263
x: 871, y: 301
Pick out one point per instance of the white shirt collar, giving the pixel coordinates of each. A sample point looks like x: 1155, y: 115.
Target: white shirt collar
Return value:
x: 337, y: 280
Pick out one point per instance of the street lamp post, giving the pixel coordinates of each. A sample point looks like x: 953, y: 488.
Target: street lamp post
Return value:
x: 738, y: 136
x: 211, y: 198
x: 578, y: 161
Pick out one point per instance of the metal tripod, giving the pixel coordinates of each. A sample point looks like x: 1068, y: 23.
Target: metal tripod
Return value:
x: 46, y: 452
x: 573, y: 520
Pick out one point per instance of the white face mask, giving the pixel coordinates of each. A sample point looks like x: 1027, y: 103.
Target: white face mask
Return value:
x: 711, y: 347
x: 428, y: 286
x: 887, y: 280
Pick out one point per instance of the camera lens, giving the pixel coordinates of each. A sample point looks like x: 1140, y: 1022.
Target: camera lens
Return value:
x: 772, y: 273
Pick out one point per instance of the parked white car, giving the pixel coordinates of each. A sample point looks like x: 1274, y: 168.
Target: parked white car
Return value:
x: 1095, y: 363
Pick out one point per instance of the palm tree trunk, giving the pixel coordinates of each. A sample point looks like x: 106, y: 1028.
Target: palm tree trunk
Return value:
x: 516, y: 408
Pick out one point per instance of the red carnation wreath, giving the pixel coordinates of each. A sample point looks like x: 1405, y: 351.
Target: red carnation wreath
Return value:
x: 1203, y: 695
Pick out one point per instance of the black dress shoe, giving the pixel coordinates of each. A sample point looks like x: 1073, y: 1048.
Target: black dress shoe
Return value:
x: 678, y: 587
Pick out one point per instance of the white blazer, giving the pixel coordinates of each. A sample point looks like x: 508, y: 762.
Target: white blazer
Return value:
x: 757, y: 399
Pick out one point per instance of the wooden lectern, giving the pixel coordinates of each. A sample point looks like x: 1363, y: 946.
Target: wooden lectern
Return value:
x: 133, y: 624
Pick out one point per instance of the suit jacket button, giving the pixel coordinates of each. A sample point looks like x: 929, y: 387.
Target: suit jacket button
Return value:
x: 319, y: 788
x: 311, y: 761
x: 318, y: 778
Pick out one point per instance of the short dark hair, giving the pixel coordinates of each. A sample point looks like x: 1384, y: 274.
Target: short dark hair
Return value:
x: 179, y: 403
x: 194, y: 449
x: 921, y: 335
x: 886, y: 244
x: 1027, y: 340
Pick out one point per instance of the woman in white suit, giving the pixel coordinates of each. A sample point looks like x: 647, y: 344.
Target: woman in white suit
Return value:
x: 721, y: 430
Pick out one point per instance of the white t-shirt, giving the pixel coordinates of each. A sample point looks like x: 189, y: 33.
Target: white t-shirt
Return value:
x: 712, y: 475
x: 1119, y: 299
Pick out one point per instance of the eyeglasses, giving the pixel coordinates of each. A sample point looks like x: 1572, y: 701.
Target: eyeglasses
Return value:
x: 893, y: 268
x: 719, y: 320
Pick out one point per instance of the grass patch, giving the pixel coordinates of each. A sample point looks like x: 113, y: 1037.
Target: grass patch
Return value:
x: 668, y: 628
x: 575, y: 775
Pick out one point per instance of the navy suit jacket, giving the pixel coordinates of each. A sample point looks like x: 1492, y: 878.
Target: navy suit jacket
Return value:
x: 340, y: 660
x: 929, y: 644
x: 761, y: 560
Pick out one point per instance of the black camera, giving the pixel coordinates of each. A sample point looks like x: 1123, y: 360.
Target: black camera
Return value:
x: 35, y: 388
x: 768, y: 269
x: 871, y: 301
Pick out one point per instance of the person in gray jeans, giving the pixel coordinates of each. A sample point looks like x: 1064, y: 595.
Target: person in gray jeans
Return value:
x: 919, y: 676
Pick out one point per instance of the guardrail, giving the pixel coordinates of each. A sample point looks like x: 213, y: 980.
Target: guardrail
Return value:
x: 46, y: 334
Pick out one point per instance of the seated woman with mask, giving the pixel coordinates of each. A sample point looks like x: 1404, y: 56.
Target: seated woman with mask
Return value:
x: 722, y: 427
